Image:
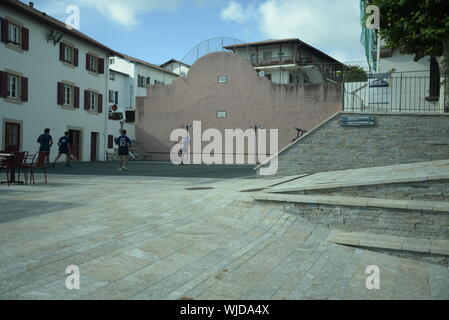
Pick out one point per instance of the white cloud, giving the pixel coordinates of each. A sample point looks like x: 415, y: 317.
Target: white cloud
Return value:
x: 236, y: 12
x: 331, y: 26
x: 125, y: 13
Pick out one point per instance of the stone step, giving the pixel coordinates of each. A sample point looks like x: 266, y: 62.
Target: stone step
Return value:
x: 410, y: 218
x: 438, y: 206
x: 369, y: 240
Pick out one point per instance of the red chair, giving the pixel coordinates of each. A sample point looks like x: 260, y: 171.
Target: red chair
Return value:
x: 40, y: 162
x: 28, y: 164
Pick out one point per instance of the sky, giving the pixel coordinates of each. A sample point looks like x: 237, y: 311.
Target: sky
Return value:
x: 159, y: 30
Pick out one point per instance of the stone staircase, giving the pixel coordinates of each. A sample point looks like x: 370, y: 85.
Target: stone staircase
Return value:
x: 408, y: 201
x: 138, y: 153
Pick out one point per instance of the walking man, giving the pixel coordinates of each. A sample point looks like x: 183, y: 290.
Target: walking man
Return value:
x: 46, y: 141
x: 123, y: 143
x: 64, y: 148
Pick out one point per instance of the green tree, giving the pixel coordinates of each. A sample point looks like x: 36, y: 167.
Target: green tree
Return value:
x: 354, y: 73
x: 420, y: 28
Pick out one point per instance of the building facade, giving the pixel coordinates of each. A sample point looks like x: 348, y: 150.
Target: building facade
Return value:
x: 51, y: 77
x: 289, y: 61
x: 178, y: 67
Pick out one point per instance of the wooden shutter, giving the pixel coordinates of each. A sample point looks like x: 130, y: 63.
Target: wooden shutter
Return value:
x: 88, y: 62
x: 24, y: 89
x: 76, y: 102
x: 116, y: 97
x: 110, y: 142
x: 3, y: 84
x: 434, y: 85
x: 60, y: 93
x: 100, y: 103
x: 25, y: 39
x: 100, y: 62
x: 4, y: 31
x: 75, y: 57
x: 61, y: 51
x: 86, y: 100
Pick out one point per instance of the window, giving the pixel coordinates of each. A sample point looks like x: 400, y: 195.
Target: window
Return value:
x: 222, y: 114
x: 68, y: 94
x: 222, y: 79
x: 111, y: 60
x: 116, y: 97
x: 110, y: 142
x: 111, y: 96
x: 68, y: 54
x: 13, y: 82
x: 148, y: 81
x: 13, y: 34
x: 93, y: 101
x: 92, y: 63
x: 112, y: 76
x: 268, y: 55
x: 141, y: 81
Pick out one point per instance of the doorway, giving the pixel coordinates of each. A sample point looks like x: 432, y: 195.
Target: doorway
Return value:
x: 94, y: 146
x: 75, y: 142
x: 12, y: 136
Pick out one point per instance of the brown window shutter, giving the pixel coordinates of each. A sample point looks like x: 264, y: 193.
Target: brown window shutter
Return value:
x: 86, y: 100
x: 100, y: 62
x: 3, y: 84
x: 24, y: 89
x: 75, y: 57
x: 100, y: 103
x: 87, y: 62
x: 76, y: 103
x: 61, y: 51
x: 60, y: 93
x: 434, y: 85
x: 4, y: 27
x: 25, y: 39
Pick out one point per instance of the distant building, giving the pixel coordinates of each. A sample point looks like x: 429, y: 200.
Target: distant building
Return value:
x: 287, y: 61
x: 178, y: 67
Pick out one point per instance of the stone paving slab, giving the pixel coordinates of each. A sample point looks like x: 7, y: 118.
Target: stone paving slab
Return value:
x: 158, y: 240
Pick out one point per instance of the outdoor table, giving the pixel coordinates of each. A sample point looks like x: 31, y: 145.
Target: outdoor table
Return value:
x: 5, y: 156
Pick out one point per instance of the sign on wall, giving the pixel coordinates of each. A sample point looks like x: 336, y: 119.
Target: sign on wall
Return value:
x: 363, y: 121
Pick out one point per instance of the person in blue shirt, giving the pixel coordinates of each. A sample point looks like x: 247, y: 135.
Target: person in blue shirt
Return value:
x: 46, y: 141
x: 123, y: 143
x: 64, y: 148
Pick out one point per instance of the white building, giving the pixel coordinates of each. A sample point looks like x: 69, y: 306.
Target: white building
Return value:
x: 58, y: 78
x: 178, y: 67
x: 129, y: 78
x: 51, y: 77
x: 288, y: 61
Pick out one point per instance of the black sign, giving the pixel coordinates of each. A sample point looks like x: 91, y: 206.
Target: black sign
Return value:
x: 366, y: 121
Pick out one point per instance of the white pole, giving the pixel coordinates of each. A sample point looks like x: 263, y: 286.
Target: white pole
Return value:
x: 378, y: 51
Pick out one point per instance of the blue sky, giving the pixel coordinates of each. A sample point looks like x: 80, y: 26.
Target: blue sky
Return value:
x: 158, y: 30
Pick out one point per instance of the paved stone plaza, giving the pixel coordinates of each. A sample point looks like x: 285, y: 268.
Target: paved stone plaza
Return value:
x: 151, y: 238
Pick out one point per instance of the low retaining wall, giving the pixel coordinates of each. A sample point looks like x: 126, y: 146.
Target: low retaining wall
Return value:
x: 396, y: 138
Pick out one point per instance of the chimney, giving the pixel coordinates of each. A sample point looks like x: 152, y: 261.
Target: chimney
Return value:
x: 31, y: 4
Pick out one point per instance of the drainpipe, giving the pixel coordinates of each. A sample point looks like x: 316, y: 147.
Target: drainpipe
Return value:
x: 106, y: 109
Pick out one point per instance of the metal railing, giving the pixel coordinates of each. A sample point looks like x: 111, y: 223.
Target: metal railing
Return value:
x: 392, y: 92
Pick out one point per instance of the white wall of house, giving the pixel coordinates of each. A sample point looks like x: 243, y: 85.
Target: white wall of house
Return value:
x: 42, y: 67
x: 178, y: 68
x: 136, y: 69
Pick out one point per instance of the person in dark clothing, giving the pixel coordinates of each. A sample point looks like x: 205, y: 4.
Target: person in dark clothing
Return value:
x: 64, y: 148
x: 46, y: 141
x: 123, y: 143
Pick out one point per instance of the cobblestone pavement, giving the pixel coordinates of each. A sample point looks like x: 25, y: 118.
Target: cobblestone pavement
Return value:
x: 150, y: 238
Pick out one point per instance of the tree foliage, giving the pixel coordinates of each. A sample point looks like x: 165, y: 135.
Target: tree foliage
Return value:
x: 417, y: 27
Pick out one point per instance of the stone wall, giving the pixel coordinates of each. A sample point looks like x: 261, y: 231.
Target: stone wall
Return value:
x: 396, y: 138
